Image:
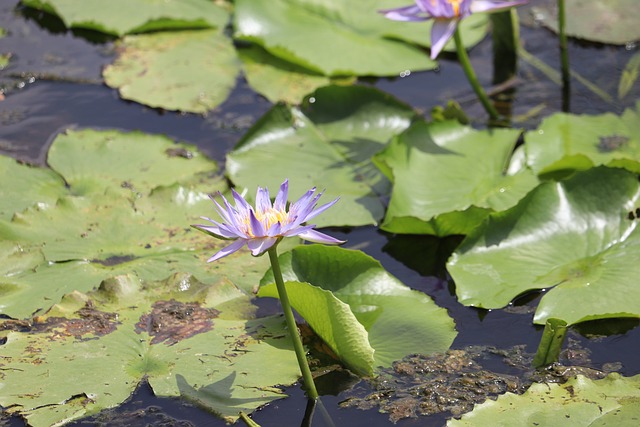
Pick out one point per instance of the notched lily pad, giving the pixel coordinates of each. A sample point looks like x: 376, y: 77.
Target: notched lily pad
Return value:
x: 191, y: 71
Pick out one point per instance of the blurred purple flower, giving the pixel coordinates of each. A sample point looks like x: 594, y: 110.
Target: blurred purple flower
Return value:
x: 446, y: 15
x: 263, y: 226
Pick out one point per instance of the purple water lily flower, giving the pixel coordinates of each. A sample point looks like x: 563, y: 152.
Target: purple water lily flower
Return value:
x: 263, y: 226
x: 446, y: 15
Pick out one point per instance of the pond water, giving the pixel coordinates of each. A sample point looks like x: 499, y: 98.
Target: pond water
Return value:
x: 54, y: 83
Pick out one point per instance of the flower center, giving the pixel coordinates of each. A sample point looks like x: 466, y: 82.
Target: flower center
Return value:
x: 455, y: 4
x: 268, y: 218
x: 272, y: 216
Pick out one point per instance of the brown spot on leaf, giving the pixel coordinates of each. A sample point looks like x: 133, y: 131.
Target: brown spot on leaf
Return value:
x: 173, y: 321
x: 179, y: 152
x: 612, y: 143
x: 90, y: 322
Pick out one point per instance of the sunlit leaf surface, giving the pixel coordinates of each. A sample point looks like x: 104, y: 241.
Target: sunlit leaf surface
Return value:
x: 447, y: 177
x: 121, y: 17
x: 332, y: 37
x: 328, y: 143
x: 612, y: 401
x: 276, y: 79
x: 395, y: 319
x: 579, y: 237
x: 565, y: 142
x: 191, y: 71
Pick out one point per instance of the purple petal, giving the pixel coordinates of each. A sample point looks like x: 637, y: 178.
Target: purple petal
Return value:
x: 297, y: 230
x: 281, y: 198
x: 407, y: 13
x: 242, y: 206
x: 317, y: 237
x: 493, y: 6
x: 274, y: 230
x: 218, y: 230
x: 321, y: 209
x: 260, y: 246
x: 256, y: 226
x: 228, y: 250
x: 225, y: 214
x: 441, y: 32
x: 263, y: 201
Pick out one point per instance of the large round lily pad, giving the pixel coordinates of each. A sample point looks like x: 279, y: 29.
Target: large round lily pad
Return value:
x: 192, y: 71
x: 579, y: 237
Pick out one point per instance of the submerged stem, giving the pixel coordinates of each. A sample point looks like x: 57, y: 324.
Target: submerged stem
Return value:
x: 564, y: 57
x: 291, y: 325
x: 471, y: 76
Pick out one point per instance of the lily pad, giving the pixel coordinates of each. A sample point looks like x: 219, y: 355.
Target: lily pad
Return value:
x: 276, y: 79
x: 119, y: 214
x: 119, y: 17
x: 182, y: 335
x: 579, y: 236
x: 398, y: 320
x: 614, y: 400
x: 328, y: 143
x: 613, y: 21
x: 565, y: 142
x: 448, y: 177
x: 331, y: 37
x: 192, y: 71
x: 31, y: 186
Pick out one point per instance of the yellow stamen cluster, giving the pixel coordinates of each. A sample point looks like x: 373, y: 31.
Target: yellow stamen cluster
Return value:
x: 268, y: 218
x: 456, y: 6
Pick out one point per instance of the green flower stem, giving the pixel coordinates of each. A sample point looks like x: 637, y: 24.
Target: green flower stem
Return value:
x: 291, y: 325
x: 471, y: 76
x: 564, y: 56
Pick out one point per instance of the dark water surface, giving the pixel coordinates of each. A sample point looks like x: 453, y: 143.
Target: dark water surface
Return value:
x: 53, y: 82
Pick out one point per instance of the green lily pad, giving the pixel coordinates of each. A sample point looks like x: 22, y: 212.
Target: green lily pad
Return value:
x: 30, y: 186
x: 121, y: 213
x: 579, y: 236
x: 119, y: 17
x: 448, y: 177
x: 180, y: 334
x: 576, y: 142
x: 328, y: 143
x: 92, y: 161
x: 332, y: 320
x: 613, y: 21
x: 398, y: 320
x: 192, y: 71
x: 331, y: 37
x: 612, y: 401
x: 276, y: 79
